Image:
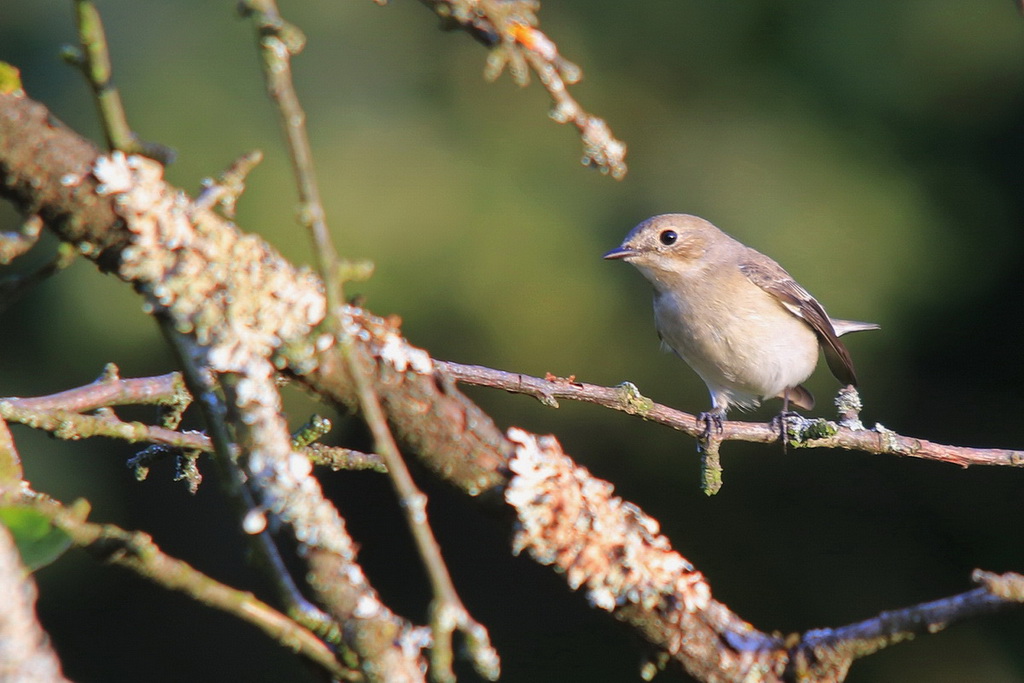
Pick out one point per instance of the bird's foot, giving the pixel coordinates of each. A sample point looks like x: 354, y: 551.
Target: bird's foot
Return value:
x: 712, y: 424
x: 783, y: 421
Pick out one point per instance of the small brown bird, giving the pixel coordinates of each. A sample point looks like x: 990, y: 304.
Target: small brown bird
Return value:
x: 734, y: 315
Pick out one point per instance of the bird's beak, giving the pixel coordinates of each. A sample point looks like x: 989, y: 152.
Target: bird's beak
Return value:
x: 622, y: 252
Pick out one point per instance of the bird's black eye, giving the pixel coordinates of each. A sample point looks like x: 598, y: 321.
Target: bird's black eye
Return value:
x: 668, y: 237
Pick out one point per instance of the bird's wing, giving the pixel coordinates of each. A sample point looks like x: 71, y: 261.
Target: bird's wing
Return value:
x: 798, y: 396
x: 773, y: 278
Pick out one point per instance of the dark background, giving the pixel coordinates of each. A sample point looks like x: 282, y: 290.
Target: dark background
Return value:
x: 874, y: 148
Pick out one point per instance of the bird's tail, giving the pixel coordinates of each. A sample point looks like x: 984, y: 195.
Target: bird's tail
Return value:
x: 845, y: 326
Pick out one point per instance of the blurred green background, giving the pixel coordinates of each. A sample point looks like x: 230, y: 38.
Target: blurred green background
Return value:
x: 874, y: 148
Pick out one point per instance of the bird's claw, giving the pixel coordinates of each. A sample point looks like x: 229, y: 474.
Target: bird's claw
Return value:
x: 779, y: 422
x: 712, y: 424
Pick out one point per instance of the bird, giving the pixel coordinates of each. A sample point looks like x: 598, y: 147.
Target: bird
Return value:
x: 734, y: 315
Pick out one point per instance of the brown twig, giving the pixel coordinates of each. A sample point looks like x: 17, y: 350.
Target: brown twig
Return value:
x: 93, y: 58
x: 67, y: 424
x: 279, y: 41
x: 227, y: 187
x: 62, y: 415
x: 15, y: 244
x: 816, y: 433
x: 823, y: 650
x: 202, y: 384
x: 614, y: 552
x: 509, y: 28
x: 447, y: 612
x: 137, y: 551
x: 228, y: 302
x: 14, y: 287
x: 110, y: 389
x: 11, y: 471
x: 657, y: 587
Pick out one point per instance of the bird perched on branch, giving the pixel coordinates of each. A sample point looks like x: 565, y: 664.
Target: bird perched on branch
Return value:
x: 734, y: 315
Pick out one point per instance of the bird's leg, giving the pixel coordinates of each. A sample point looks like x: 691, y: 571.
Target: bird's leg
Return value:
x: 779, y: 420
x: 707, y: 446
x: 712, y: 420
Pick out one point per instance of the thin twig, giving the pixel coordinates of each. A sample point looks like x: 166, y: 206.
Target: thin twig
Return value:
x: 892, y: 626
x: 201, y: 384
x: 316, y: 427
x: 95, y: 64
x: 62, y: 415
x: 70, y: 425
x: 279, y: 41
x: 110, y: 389
x: 137, y: 551
x: 15, y: 244
x: 817, y: 433
x: 710, y: 465
x: 338, y: 458
x: 509, y: 28
x: 14, y: 287
x: 225, y: 190
x: 11, y: 472
x: 615, y: 553
x: 448, y: 614
x: 450, y: 433
x: 93, y: 59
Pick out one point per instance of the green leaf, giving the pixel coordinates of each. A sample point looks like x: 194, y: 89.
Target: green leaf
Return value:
x: 38, y: 541
x: 10, y: 79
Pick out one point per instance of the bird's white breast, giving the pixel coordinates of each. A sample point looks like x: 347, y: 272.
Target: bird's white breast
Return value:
x: 748, y: 346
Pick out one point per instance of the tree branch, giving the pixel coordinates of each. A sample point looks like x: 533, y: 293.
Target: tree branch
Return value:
x: 61, y: 414
x: 814, y: 433
x: 93, y: 59
x: 566, y: 517
x: 612, y: 550
x: 137, y: 551
x: 509, y: 29
x: 278, y: 42
x: 819, y: 646
x: 110, y: 389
